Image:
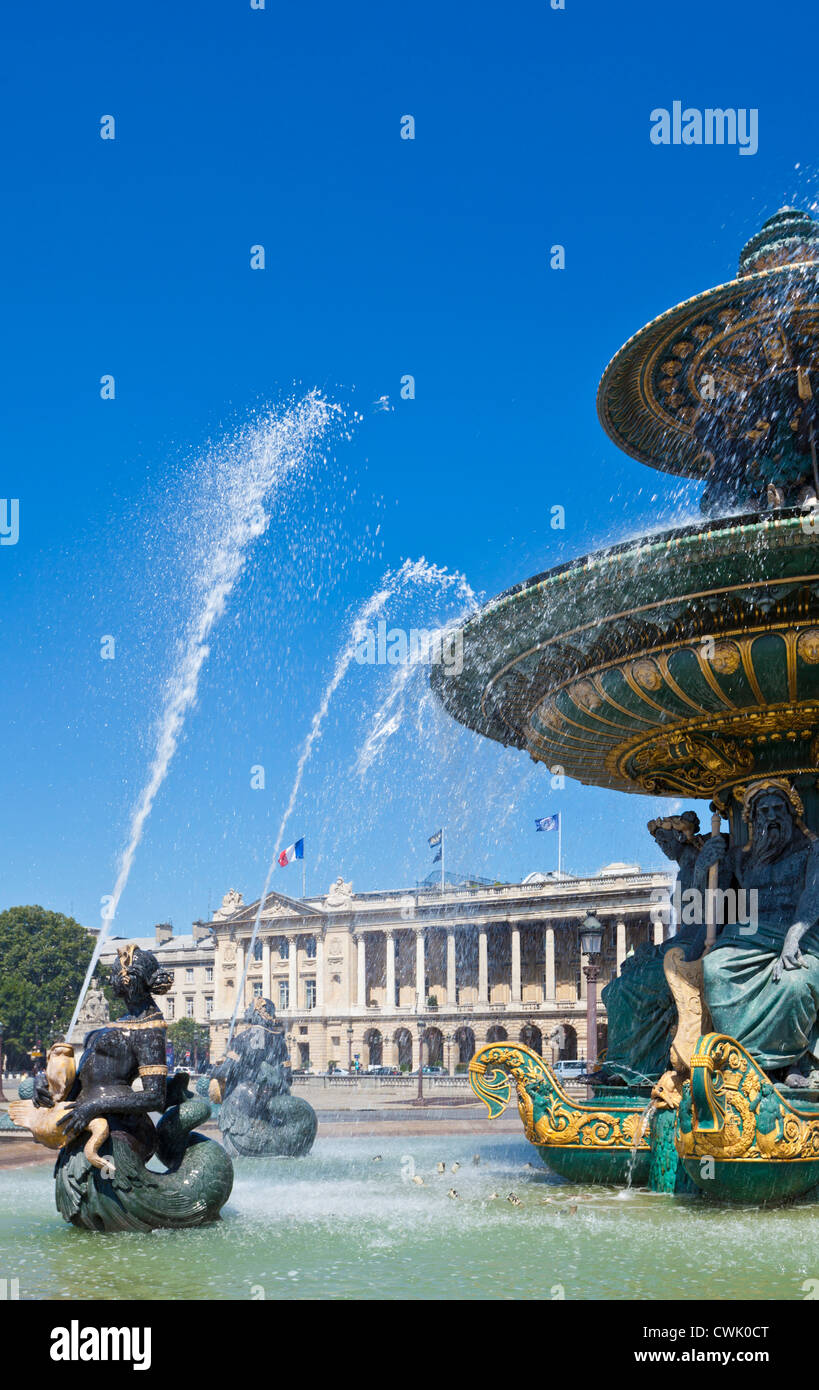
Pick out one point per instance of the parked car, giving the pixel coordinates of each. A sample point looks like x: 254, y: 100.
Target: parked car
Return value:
x: 569, y: 1068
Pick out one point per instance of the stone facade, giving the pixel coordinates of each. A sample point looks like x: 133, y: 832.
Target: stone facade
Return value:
x: 349, y: 973
x: 191, y: 957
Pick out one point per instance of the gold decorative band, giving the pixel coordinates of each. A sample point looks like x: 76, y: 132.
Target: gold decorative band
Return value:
x: 153, y: 1071
x: 157, y: 1022
x: 702, y: 1059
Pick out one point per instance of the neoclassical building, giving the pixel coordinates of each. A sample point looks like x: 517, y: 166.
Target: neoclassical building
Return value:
x: 354, y: 974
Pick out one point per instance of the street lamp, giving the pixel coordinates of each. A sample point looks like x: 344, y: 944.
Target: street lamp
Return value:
x: 591, y: 943
x: 2, y: 1026
x: 421, y: 1031
x: 349, y: 1047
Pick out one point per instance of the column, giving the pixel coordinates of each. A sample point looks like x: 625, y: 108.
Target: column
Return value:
x: 483, y: 967
x: 240, y: 967
x: 516, y: 993
x: 390, y: 1000
x: 293, y: 971
x: 266, y: 985
x: 451, y: 969
x: 320, y: 970
x: 361, y: 993
x: 621, y: 944
x: 550, y: 963
x: 420, y: 971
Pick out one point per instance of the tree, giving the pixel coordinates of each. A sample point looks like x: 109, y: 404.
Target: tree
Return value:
x: 43, y: 959
x: 186, y: 1035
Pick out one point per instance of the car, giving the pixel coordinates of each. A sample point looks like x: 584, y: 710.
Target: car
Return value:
x: 569, y: 1068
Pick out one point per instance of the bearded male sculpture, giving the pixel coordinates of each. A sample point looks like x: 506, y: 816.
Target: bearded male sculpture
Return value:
x: 761, y: 979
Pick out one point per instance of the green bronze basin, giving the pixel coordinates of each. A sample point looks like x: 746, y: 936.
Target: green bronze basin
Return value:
x: 681, y: 663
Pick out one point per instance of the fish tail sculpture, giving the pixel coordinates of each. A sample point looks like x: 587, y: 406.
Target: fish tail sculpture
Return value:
x: 195, y: 1187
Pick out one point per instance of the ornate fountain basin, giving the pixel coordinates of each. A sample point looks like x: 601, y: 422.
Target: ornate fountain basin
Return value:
x: 683, y: 663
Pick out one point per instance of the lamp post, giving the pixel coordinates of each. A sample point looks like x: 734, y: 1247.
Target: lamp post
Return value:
x: 421, y: 1030
x: 2, y: 1096
x: 591, y: 942
x: 349, y: 1047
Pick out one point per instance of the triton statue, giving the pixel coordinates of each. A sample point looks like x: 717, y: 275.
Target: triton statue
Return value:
x: 103, y: 1129
x: 762, y: 978
x: 258, y: 1116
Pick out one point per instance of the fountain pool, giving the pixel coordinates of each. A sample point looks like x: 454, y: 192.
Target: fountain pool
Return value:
x: 336, y: 1225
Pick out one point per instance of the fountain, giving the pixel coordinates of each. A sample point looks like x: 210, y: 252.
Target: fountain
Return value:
x: 686, y: 664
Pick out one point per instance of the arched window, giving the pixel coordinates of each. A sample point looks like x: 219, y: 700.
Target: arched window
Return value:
x: 310, y: 948
x: 257, y: 950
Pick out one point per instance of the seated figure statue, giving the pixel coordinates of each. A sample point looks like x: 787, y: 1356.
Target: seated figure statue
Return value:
x: 761, y: 979
x: 641, y: 1012
x: 259, y: 1117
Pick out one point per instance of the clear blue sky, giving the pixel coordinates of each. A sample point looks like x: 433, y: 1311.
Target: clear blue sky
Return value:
x: 384, y: 257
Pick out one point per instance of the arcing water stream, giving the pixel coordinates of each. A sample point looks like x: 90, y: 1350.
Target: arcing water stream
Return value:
x: 412, y: 575
x: 247, y: 470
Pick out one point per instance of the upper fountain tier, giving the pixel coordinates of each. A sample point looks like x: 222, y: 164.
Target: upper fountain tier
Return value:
x: 725, y: 386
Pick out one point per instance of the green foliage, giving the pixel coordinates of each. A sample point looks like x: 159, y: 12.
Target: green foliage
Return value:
x: 186, y: 1034
x: 43, y: 959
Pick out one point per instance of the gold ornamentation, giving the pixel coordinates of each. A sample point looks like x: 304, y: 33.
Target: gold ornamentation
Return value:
x: 726, y: 658
x: 733, y: 1111
x: 685, y: 982
x: 156, y: 1021
x: 549, y: 1116
x: 647, y: 674
x: 685, y: 762
x: 585, y: 695
x: 153, y: 1071
x: 807, y: 646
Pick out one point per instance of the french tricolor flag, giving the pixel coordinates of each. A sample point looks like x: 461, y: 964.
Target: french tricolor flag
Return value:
x: 292, y: 852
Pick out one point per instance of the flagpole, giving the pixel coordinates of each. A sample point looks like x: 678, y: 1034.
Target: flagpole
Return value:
x: 304, y: 877
x: 442, y: 861
x: 559, y: 841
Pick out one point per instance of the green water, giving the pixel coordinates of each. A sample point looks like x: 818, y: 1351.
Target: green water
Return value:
x: 337, y: 1225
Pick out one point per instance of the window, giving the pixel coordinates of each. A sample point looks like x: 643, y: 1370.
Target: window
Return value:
x: 284, y: 948
x: 208, y: 1005
x: 188, y: 974
x: 189, y: 1008
x: 310, y: 993
x: 284, y: 994
x: 257, y: 950
x: 310, y: 948
x: 209, y: 974
x: 257, y: 989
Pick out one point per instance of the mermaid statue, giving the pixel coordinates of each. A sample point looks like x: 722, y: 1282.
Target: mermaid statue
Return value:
x: 258, y: 1115
x: 103, y: 1129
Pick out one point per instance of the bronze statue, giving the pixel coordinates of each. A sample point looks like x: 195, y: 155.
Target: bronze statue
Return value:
x: 102, y: 1181
x: 762, y: 977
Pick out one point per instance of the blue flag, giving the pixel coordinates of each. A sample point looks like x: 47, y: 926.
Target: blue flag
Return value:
x: 548, y: 822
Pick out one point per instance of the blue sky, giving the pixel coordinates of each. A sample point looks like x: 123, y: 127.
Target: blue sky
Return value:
x: 383, y: 257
